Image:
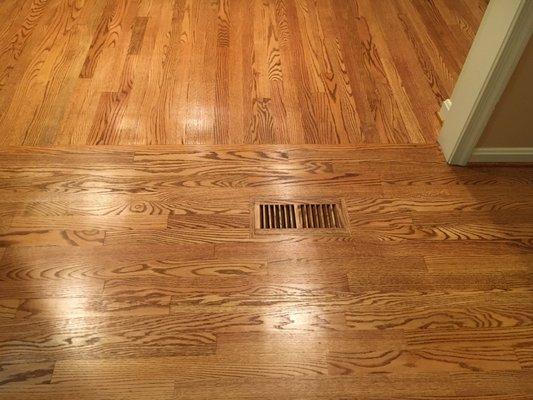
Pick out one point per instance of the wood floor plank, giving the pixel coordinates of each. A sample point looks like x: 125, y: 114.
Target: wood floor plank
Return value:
x: 187, y: 368
x: 361, y: 153
x: 369, y: 386
x: 392, y: 357
x: 162, y: 389
x: 401, y: 231
x: 101, y: 337
x: 450, y: 175
x: 104, y: 223
x: 89, y: 183
x: 494, y: 218
x: 67, y: 154
x: 373, y: 309
x: 107, y: 262
x: 203, y: 235
x: 504, y: 386
x: 455, y: 310
x: 443, y: 204
x: 502, y: 263
x: 131, y: 206
x: 383, y: 279
x: 500, y: 384
x: 457, y: 248
x: 186, y: 194
x: 108, y: 28
x: 178, y: 168
x: 51, y: 237
x: 13, y: 289
x: 92, y: 306
x: 276, y: 250
x: 221, y: 284
x: 498, y: 340
x: 214, y: 221
x: 113, y: 267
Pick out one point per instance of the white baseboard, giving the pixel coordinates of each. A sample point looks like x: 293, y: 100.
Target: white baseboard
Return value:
x: 502, y: 154
x: 444, y: 109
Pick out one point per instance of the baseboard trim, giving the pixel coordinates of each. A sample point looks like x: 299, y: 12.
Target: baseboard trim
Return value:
x: 444, y: 109
x: 502, y: 154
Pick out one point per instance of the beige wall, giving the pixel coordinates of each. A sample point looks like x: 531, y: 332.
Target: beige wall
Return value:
x: 511, y: 124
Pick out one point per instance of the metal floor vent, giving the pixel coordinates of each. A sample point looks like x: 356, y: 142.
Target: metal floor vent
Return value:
x: 299, y: 216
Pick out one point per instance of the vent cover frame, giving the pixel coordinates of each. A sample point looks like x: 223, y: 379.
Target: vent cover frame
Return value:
x: 293, y: 222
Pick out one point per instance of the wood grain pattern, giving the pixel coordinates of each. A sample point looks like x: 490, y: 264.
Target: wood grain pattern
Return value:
x: 51, y: 237
x: 102, y: 337
x: 221, y: 72
x: 134, y: 272
x: 8, y: 308
x: 18, y: 374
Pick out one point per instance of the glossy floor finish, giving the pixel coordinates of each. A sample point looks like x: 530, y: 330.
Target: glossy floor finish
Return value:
x: 229, y: 71
x: 133, y: 273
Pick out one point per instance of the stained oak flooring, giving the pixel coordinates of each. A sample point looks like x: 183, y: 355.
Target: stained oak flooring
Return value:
x: 133, y: 273
x: 124, y: 72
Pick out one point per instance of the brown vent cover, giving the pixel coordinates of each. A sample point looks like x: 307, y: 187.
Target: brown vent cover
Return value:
x: 299, y: 216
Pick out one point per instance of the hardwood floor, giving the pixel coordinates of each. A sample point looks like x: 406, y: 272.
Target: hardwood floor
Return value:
x: 134, y: 271
x: 130, y: 272
x: 124, y: 72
